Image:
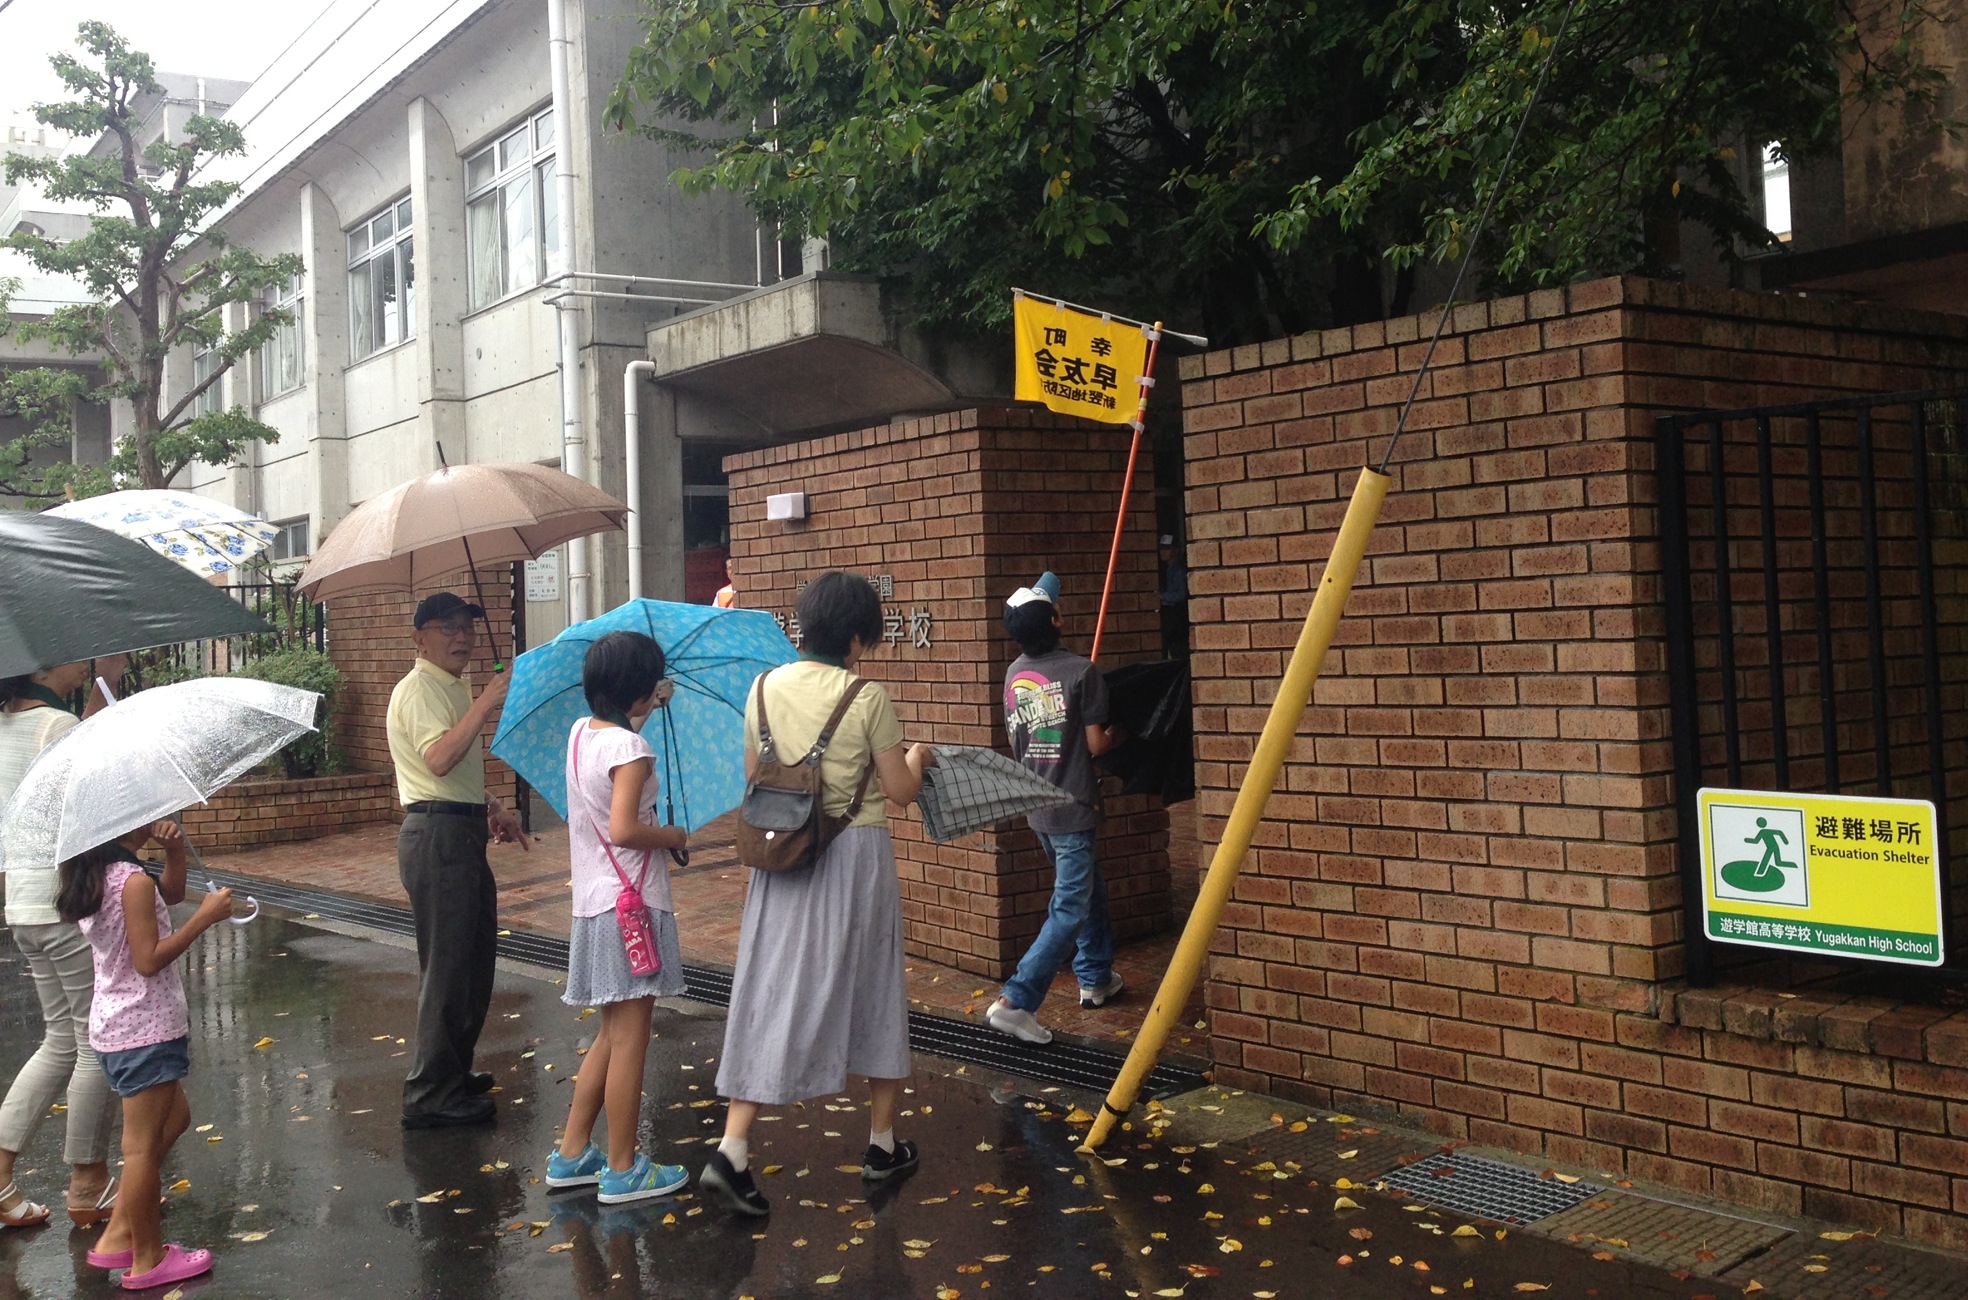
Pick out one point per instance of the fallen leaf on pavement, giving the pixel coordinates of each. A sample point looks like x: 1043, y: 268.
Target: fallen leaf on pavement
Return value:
x: 1532, y: 1286
x: 1345, y: 1203
x: 1465, y: 1231
x: 182, y: 1185
x: 263, y: 1044
x: 560, y: 1246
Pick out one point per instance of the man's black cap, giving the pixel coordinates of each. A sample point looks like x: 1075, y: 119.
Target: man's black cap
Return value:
x: 444, y: 604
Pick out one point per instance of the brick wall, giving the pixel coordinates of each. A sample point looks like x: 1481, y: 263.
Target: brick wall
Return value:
x: 250, y: 814
x: 369, y: 640
x: 1463, y: 902
x: 959, y: 510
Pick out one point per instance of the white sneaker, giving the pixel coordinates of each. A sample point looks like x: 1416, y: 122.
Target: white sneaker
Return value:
x: 1106, y: 993
x: 1024, y: 1025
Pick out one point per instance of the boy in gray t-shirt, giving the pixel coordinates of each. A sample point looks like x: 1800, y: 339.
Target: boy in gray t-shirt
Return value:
x: 1056, y: 715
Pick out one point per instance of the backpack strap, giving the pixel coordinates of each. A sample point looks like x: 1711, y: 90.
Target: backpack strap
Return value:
x: 833, y: 722
x: 766, y: 754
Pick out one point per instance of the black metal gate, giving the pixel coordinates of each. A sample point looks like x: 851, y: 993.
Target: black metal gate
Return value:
x: 1813, y: 556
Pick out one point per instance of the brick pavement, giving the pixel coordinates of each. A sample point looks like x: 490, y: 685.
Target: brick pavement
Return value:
x: 710, y: 897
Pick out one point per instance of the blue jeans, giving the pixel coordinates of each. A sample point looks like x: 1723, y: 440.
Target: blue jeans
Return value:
x: 1077, y: 917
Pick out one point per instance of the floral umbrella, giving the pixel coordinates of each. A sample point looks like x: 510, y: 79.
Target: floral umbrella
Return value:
x: 208, y: 537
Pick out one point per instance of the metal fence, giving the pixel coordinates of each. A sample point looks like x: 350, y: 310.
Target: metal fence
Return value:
x: 1813, y: 557
x: 295, y: 621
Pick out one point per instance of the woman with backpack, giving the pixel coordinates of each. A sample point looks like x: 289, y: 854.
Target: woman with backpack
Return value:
x: 818, y: 992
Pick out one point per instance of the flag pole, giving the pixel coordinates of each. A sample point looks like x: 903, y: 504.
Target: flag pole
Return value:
x: 1146, y: 381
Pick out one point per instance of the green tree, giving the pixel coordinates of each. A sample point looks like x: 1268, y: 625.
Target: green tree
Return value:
x: 1253, y: 167
x: 158, y: 276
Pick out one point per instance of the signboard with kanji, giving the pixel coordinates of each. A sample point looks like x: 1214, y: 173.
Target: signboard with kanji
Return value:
x: 1822, y: 873
x: 1076, y: 362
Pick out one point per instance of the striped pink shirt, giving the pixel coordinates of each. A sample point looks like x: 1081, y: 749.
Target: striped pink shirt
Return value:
x: 130, y: 1010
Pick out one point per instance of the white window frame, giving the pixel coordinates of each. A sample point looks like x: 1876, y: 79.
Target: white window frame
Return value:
x: 512, y: 219
x: 1778, y: 216
x: 382, y: 282
x: 291, y: 543
x: 212, y: 400
x: 289, y: 342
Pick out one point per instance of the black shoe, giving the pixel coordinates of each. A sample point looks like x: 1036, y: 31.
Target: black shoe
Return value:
x: 478, y: 1083
x: 736, y: 1190
x: 472, y: 1110
x: 879, y: 1165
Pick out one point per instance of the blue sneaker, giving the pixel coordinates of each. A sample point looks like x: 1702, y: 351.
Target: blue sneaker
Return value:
x: 583, y: 1171
x: 641, y: 1181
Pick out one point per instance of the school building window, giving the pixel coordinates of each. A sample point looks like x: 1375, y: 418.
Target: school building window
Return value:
x: 1776, y: 192
x: 512, y: 221
x: 282, y: 357
x: 291, y: 542
x: 382, y: 282
x: 209, y: 402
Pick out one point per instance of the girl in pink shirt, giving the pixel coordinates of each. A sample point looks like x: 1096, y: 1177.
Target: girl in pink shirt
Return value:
x: 140, y: 1029
x: 614, y: 845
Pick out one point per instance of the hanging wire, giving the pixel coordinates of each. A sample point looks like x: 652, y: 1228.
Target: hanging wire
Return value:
x: 1483, y: 220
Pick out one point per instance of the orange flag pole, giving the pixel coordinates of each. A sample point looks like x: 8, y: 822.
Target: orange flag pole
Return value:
x: 1146, y: 381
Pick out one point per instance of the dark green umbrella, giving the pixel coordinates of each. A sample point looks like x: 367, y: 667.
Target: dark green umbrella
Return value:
x: 71, y: 591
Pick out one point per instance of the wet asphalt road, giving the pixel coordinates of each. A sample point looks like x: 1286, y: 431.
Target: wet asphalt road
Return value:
x: 304, y: 1185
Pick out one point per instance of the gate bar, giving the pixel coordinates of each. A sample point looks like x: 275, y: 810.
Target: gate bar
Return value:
x: 1882, y: 745
x: 1821, y: 594
x: 1772, y: 606
x: 1725, y: 602
x: 1683, y: 713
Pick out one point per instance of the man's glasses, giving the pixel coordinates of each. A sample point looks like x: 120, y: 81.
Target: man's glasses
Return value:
x: 451, y: 627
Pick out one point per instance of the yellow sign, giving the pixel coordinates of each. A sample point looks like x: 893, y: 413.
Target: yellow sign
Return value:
x: 1076, y: 362
x: 1822, y: 873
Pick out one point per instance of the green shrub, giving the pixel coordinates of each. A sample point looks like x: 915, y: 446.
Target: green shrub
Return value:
x: 316, y: 753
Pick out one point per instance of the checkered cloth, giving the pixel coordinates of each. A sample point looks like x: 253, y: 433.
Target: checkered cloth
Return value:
x: 971, y: 788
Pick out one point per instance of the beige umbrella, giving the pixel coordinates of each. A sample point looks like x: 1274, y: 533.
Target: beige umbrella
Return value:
x: 452, y: 521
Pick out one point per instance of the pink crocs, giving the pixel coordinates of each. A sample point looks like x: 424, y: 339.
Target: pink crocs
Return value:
x: 177, y: 1265
x: 112, y: 1258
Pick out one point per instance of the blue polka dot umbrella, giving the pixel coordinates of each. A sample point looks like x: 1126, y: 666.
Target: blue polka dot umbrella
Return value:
x: 713, y: 656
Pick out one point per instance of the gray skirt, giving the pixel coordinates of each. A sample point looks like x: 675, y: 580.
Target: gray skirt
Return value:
x: 819, y: 992
x: 598, y: 964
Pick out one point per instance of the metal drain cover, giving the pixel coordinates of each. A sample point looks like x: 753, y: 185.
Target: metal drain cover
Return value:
x: 1488, y: 1189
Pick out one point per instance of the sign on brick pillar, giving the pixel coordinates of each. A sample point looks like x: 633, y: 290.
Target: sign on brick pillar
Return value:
x: 369, y: 641
x: 946, y: 516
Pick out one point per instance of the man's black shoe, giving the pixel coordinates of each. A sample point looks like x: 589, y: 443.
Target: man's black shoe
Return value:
x: 736, y: 1190
x: 478, y: 1083
x: 472, y: 1110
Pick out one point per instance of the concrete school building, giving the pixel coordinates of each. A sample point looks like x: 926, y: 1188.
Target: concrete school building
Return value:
x: 409, y: 154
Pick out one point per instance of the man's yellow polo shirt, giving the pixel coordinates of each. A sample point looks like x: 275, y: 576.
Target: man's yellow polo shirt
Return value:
x: 427, y: 703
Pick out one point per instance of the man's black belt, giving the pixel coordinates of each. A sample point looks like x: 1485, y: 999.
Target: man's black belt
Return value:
x: 445, y: 808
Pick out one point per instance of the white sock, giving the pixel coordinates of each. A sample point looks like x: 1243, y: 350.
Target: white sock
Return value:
x: 884, y: 1139
x: 738, y: 1151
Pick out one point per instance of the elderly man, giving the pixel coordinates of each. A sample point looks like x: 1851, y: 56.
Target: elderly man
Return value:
x: 434, y: 739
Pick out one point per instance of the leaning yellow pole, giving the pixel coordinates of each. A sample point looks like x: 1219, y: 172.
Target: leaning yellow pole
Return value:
x: 1294, y: 693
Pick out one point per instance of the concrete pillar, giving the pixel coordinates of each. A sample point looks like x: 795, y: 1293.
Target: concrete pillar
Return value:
x: 325, y: 336
x: 237, y: 389
x: 437, y: 223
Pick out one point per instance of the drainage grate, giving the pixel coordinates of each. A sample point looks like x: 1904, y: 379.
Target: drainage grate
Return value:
x: 1069, y: 1064
x: 1488, y: 1189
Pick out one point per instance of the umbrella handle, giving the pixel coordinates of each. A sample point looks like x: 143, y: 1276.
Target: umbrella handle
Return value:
x: 212, y: 887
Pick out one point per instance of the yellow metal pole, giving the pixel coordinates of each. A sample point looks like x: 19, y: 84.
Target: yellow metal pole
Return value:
x: 1294, y: 693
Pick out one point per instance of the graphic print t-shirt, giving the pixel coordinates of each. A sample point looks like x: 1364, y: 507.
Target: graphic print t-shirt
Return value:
x: 1050, y: 700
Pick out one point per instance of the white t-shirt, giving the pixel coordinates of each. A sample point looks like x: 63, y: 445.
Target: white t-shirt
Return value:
x: 23, y: 735
x: 590, y: 795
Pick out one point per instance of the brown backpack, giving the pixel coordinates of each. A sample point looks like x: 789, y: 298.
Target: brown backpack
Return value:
x: 781, y: 825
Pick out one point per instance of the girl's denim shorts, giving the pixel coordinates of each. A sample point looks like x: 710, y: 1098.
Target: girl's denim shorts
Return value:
x: 146, y: 1067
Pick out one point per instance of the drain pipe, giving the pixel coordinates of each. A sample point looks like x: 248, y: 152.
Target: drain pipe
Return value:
x: 573, y: 441
x: 632, y: 463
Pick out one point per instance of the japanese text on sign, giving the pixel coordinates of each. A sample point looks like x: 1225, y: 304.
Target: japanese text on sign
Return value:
x: 1077, y: 363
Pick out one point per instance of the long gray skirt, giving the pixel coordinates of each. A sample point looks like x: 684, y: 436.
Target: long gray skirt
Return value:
x: 598, y: 965
x: 819, y: 992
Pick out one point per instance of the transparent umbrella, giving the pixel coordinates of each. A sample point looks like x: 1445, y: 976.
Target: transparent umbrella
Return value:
x: 144, y: 759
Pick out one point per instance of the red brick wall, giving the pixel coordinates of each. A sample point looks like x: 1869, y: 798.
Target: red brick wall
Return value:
x: 960, y: 510
x: 1463, y: 902
x: 369, y: 640
x: 254, y: 813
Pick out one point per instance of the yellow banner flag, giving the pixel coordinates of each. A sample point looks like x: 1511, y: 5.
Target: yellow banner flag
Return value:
x: 1076, y: 362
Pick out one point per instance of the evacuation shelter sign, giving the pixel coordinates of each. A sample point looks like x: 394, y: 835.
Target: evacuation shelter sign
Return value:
x: 1822, y: 873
